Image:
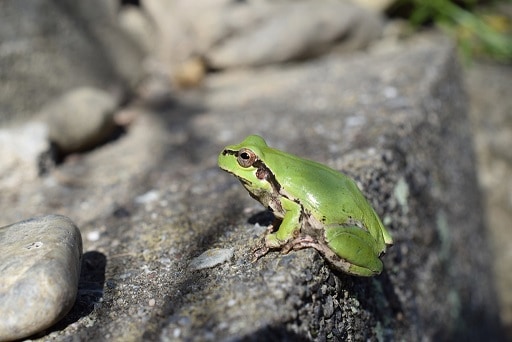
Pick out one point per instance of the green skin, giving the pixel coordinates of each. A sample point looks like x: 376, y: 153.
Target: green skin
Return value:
x: 317, y: 207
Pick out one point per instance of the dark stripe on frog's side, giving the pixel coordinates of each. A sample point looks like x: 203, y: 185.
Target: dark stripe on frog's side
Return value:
x: 271, y: 178
x: 277, y: 189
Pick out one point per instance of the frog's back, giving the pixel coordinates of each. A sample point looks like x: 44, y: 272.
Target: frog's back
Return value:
x: 333, y: 197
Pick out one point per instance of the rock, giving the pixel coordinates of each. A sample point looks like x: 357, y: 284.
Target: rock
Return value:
x: 21, y: 148
x: 80, y: 119
x: 296, y: 31
x: 211, y: 258
x: 397, y: 123
x: 137, y: 25
x: 190, y: 73
x: 375, y: 5
x: 72, y: 45
x: 230, y: 34
x: 40, y: 268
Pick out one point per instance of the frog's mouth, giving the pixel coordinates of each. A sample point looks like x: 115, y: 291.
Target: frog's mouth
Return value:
x: 245, y: 182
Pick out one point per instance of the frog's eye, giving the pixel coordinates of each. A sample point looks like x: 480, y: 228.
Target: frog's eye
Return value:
x: 246, y: 157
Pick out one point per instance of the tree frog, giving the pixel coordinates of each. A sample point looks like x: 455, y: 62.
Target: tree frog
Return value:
x: 314, y: 206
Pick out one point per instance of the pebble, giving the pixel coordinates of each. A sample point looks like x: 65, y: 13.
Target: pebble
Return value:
x: 211, y: 258
x: 80, y: 119
x: 40, y: 268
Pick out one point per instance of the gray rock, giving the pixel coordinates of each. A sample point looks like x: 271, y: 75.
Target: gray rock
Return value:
x: 211, y: 258
x: 375, y: 5
x: 232, y: 34
x: 154, y: 200
x: 49, y: 47
x: 80, y: 119
x: 136, y: 23
x: 40, y: 267
x: 296, y: 31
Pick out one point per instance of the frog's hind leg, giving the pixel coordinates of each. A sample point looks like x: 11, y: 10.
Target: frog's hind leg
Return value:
x: 356, y: 246
x: 347, y: 248
x: 309, y: 242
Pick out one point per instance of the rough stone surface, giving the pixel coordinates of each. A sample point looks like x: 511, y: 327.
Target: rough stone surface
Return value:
x: 80, y: 119
x: 49, y: 47
x: 154, y: 200
x: 40, y: 267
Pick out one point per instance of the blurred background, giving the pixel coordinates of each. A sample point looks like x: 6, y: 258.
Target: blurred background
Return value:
x: 123, y: 52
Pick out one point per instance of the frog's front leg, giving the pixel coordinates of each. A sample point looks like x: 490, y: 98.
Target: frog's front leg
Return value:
x: 287, y: 230
x: 289, y: 227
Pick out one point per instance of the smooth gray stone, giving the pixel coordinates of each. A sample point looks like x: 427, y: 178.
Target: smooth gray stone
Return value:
x: 40, y: 268
x: 80, y: 119
x: 295, y: 31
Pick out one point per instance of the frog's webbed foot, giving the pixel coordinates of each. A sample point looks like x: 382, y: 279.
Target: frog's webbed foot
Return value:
x: 268, y: 242
x: 261, y: 247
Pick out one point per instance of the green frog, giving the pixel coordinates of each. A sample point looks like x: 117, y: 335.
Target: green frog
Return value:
x: 314, y: 206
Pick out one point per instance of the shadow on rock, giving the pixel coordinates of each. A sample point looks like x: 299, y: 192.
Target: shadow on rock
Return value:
x: 273, y: 333
x: 90, y: 288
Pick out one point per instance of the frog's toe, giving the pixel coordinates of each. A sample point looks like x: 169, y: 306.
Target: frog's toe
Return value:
x: 259, y: 251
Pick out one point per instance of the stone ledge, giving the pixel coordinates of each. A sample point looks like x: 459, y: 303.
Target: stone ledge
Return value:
x: 396, y: 122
